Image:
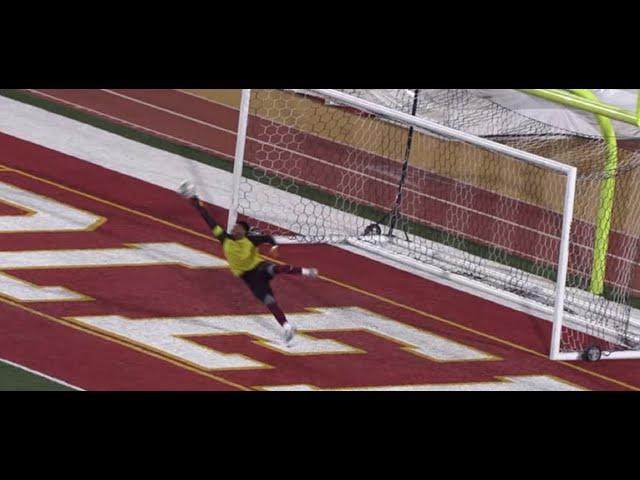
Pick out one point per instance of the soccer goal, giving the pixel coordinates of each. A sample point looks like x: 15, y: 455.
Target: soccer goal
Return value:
x: 458, y: 188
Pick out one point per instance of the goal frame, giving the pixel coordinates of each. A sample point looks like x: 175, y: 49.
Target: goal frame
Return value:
x: 557, y: 314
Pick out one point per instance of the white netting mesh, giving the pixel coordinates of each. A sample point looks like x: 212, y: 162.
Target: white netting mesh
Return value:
x: 336, y: 170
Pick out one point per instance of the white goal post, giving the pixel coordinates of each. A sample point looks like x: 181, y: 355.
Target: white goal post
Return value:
x: 327, y: 166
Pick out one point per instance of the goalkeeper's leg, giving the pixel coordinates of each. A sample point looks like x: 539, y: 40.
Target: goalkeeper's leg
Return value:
x: 258, y: 282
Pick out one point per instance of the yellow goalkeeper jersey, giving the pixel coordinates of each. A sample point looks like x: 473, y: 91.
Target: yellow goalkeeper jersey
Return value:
x: 242, y: 255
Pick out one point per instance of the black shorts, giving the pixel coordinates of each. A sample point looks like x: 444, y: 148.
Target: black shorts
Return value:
x: 258, y: 280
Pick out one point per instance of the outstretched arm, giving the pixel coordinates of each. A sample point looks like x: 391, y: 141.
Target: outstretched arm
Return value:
x: 217, y: 230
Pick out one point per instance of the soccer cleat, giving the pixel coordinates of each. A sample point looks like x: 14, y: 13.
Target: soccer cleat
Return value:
x: 187, y: 189
x: 310, y: 272
x: 289, y: 332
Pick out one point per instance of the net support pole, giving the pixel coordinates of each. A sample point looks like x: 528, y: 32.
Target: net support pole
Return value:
x: 238, y: 162
x: 405, y: 167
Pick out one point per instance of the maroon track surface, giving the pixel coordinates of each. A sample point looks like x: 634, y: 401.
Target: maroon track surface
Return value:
x: 38, y: 336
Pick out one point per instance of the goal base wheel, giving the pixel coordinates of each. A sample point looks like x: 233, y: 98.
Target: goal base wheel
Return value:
x: 592, y: 354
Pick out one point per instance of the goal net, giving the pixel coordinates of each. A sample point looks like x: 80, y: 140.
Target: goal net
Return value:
x: 456, y: 186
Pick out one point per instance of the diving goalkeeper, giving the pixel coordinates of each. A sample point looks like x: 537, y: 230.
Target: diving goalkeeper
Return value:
x: 240, y: 250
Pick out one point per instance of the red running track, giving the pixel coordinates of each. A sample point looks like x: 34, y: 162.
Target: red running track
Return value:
x: 37, y: 335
